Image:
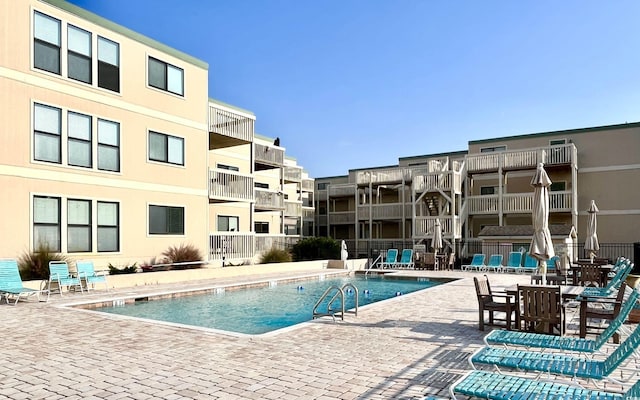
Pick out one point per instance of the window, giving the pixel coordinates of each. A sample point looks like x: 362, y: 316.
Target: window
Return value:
x: 291, y: 229
x: 108, y: 226
x: 108, y: 145
x: 261, y: 227
x: 487, y: 190
x: 47, y: 126
x: 557, y: 142
x: 166, y: 76
x: 79, y: 54
x: 79, y: 145
x: 322, y: 186
x: 558, y: 186
x: 78, y: 226
x: 108, y: 64
x: 46, y: 43
x: 46, y: 222
x: 492, y: 149
x: 227, y: 167
x: 165, y: 220
x: 165, y: 148
x: 261, y: 185
x: 228, y: 224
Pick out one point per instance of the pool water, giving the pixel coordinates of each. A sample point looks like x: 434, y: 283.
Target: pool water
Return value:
x: 260, y: 310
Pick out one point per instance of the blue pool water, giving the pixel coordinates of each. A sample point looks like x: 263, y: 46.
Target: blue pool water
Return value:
x: 260, y: 310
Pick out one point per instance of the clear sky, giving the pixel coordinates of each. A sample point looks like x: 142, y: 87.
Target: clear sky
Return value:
x: 358, y: 83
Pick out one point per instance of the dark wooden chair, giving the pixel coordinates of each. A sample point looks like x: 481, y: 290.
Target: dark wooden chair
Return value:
x: 488, y: 301
x: 540, y: 309
x: 591, y: 275
x: 600, y: 308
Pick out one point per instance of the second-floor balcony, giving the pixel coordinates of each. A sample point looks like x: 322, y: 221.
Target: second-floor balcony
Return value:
x: 342, y: 190
x: 225, y: 185
x: 268, y: 157
x: 308, y: 214
x: 517, y: 203
x: 384, y: 211
x: 292, y: 209
x: 342, y: 218
x: 565, y: 154
x: 227, y: 128
x: 268, y: 200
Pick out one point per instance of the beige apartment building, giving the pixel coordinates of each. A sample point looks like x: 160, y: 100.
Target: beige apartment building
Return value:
x: 111, y: 149
x: 488, y: 185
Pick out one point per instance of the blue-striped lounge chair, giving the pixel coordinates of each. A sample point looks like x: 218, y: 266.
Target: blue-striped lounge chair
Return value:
x: 477, y: 263
x: 552, y: 342
x: 530, y: 264
x: 495, y: 263
x: 390, y: 259
x: 494, y: 386
x: 88, y: 275
x: 406, y: 259
x: 514, y: 263
x: 561, y: 363
x: 11, y: 283
x: 614, y: 283
x: 59, y: 276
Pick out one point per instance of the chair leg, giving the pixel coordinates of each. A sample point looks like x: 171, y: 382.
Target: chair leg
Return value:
x: 481, y: 319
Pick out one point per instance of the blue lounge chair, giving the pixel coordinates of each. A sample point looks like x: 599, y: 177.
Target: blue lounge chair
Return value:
x: 494, y: 386
x: 477, y: 263
x: 542, y: 341
x: 530, y: 264
x: 614, y: 284
x: 88, y: 275
x: 514, y: 262
x: 560, y: 363
x: 390, y: 259
x: 406, y: 259
x: 495, y: 263
x: 11, y: 282
x: 60, y: 276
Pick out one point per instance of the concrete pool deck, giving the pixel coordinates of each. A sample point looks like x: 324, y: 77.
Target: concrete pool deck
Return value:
x: 405, y: 348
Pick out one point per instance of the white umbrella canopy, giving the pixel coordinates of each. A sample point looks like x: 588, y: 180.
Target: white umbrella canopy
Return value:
x: 591, y: 244
x: 541, y: 245
x: 344, y: 254
x: 436, y: 240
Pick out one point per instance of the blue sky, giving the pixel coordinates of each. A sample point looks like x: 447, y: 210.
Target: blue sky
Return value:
x: 358, y: 83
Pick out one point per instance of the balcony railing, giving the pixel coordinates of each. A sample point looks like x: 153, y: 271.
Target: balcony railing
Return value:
x: 342, y: 217
x: 383, y: 175
x: 321, y: 220
x: 561, y: 201
x: 307, y: 185
x: 292, y: 174
x: 231, y: 245
x: 230, y: 124
x: 445, y: 181
x: 268, y: 155
x: 267, y: 242
x: 522, y: 159
x: 292, y: 209
x: 384, y: 211
x: 424, y: 226
x: 342, y: 190
x: 268, y: 200
x: 225, y: 185
x: 308, y: 214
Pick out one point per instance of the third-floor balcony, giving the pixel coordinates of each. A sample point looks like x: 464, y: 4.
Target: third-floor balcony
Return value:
x: 384, y: 211
x: 556, y: 155
x: 446, y: 181
x: 268, y: 157
x: 292, y: 174
x: 228, y: 129
x: 268, y: 200
x: 342, y: 217
x: 342, y: 190
x: 225, y: 185
x: 518, y: 203
x: 307, y: 185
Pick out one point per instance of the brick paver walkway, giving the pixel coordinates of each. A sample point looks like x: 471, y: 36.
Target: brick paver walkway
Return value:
x: 405, y: 348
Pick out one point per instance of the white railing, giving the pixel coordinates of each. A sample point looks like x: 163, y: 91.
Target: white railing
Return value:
x: 424, y: 226
x: 384, y: 211
x: 267, y: 242
x: 267, y: 199
x: 561, y: 201
x: 445, y: 181
x: 268, y: 155
x: 231, y: 245
x: 231, y: 124
x: 383, y: 175
x: 523, y: 158
x: 342, y: 217
x: 307, y: 185
x: 342, y: 189
x: 293, y: 174
x: 292, y: 209
x: 230, y: 185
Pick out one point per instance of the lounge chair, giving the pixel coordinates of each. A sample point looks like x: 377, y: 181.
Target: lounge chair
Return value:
x: 601, y: 309
x: 495, y: 263
x: 561, y: 363
x: 88, y: 275
x: 477, y: 263
x: 390, y: 259
x: 11, y: 282
x: 60, y: 276
x: 494, y: 386
x: 542, y: 341
x: 514, y: 262
x: 530, y: 264
x: 621, y: 275
x: 406, y: 259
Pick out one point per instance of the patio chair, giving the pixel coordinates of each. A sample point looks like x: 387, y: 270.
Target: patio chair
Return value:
x: 621, y: 275
x: 602, y: 309
x: 591, y: 275
x: 406, y: 259
x: 495, y: 263
x: 562, y: 363
x: 11, y: 282
x: 487, y: 301
x: 544, y: 342
x: 540, y: 308
x: 390, y: 259
x: 477, y: 263
x: 494, y: 386
x: 514, y: 262
x: 60, y: 276
x: 88, y: 275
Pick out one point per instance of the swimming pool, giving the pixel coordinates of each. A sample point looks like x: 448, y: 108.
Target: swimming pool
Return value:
x: 264, y: 309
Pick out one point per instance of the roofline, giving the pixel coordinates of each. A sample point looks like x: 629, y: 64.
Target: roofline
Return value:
x: 450, y: 153
x: 105, y: 23
x: 560, y: 132
x: 231, y: 106
x: 376, y: 168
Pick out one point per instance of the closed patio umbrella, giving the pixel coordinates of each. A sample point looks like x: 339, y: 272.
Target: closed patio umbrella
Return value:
x: 591, y: 244
x: 541, y: 246
x: 436, y: 240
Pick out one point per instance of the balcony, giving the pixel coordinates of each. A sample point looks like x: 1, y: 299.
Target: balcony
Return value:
x: 292, y: 174
x: 308, y: 214
x: 228, y: 129
x: 307, y: 185
x: 226, y: 186
x: 267, y: 242
x: 267, y: 157
x: 292, y: 209
x: 383, y: 175
x: 522, y: 159
x: 342, y: 190
x: 231, y: 245
x: 384, y: 211
x: 518, y: 203
x: 267, y: 200
x: 424, y: 226
x: 433, y: 182
x: 342, y: 218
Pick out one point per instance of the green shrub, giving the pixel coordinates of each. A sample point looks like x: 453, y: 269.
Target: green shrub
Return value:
x: 35, y: 264
x: 275, y: 255
x: 182, y: 253
x: 127, y: 269
x: 316, y: 248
